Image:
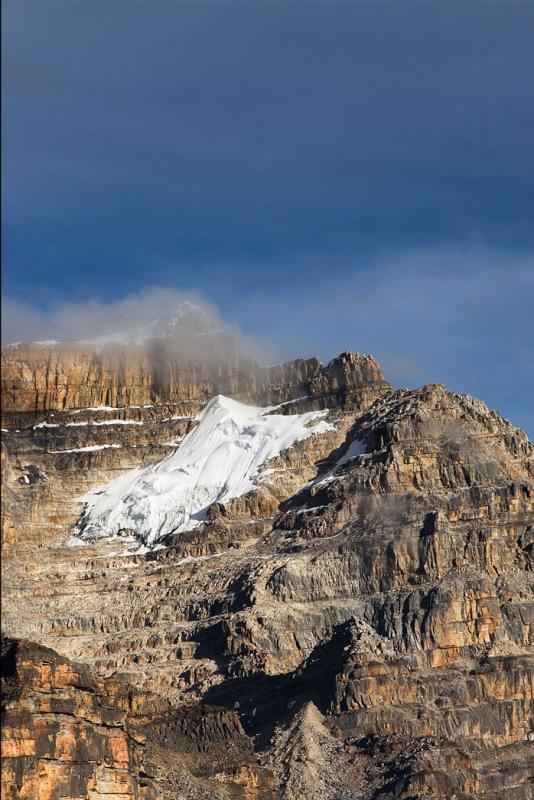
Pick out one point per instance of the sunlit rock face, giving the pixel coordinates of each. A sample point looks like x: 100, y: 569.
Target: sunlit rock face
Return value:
x: 183, y: 362
x: 347, y: 615
x: 67, y: 733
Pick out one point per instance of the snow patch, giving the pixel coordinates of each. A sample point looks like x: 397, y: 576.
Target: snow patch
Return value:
x: 218, y: 460
x: 355, y: 449
x: 104, y: 422
x: 174, y: 442
x: 290, y: 402
x: 105, y: 409
x: 89, y: 449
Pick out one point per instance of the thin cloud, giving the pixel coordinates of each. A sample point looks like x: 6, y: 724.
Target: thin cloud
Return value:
x: 127, y: 320
x: 459, y: 316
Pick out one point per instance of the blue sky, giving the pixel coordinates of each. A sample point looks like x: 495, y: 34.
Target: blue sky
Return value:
x: 328, y: 175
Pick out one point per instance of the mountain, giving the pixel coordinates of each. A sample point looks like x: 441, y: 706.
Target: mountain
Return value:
x: 222, y: 580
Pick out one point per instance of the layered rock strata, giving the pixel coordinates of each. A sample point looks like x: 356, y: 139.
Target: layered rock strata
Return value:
x: 68, y: 734
x: 39, y: 378
x: 360, y: 626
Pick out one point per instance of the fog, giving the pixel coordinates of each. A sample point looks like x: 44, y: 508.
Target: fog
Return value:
x: 189, y: 325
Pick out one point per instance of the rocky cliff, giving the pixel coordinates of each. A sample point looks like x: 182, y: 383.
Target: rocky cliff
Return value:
x: 39, y: 378
x: 359, y: 625
x: 68, y: 733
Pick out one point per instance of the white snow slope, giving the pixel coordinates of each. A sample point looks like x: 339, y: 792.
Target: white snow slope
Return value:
x: 218, y: 460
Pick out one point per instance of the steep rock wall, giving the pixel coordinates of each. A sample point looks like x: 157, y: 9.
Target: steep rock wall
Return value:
x: 364, y: 622
x: 39, y: 378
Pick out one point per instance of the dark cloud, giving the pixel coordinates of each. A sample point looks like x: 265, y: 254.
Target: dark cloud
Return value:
x: 261, y: 125
x: 331, y: 175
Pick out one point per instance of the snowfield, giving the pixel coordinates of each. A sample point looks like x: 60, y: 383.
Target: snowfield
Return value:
x: 218, y: 460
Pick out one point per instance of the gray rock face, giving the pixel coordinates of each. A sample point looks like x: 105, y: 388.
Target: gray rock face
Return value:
x: 360, y: 626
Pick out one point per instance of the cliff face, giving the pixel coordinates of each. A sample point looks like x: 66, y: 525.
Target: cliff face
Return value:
x: 69, y: 734
x: 40, y: 378
x: 359, y: 626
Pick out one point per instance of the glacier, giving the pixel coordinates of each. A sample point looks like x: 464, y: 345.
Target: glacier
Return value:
x: 220, y: 459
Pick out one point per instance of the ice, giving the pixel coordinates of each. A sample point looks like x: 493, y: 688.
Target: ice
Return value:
x: 218, y: 460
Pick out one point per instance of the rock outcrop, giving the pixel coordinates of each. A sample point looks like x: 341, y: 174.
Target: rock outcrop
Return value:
x: 360, y: 626
x: 68, y: 734
x: 38, y: 378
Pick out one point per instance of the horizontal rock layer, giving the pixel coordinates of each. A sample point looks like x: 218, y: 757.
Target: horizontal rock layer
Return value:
x: 38, y: 378
x: 68, y: 734
x: 360, y: 626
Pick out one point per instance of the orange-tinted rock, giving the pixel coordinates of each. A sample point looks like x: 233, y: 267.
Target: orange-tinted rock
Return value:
x: 363, y: 626
x: 38, y: 378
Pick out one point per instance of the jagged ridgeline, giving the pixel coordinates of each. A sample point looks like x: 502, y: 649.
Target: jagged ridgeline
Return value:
x: 180, y: 359
x: 222, y: 580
